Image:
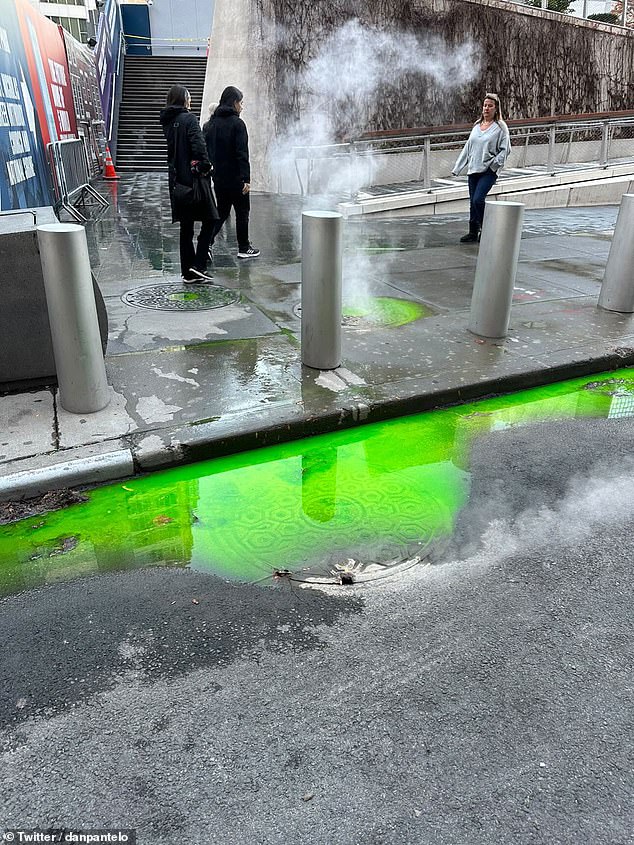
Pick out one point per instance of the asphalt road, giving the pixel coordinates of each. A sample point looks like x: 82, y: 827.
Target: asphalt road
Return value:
x: 486, y: 698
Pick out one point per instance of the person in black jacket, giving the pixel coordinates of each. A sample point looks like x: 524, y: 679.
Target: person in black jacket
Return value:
x: 187, y: 155
x: 228, y: 150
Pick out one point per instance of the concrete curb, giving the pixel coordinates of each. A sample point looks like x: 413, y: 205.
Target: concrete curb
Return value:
x: 181, y: 445
x: 185, y: 445
x: 597, y: 186
x: 92, y: 469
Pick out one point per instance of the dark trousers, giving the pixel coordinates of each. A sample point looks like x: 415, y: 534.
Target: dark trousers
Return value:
x: 479, y: 186
x: 191, y: 257
x: 226, y: 200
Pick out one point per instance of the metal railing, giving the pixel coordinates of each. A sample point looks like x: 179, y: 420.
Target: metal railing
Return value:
x: 68, y: 162
x: 426, y: 156
x: 150, y: 42
x: 587, y: 10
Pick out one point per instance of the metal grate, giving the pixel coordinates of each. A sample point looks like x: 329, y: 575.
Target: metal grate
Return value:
x: 180, y: 297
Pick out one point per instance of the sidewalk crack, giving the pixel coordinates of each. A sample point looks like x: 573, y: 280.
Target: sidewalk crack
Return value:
x: 56, y: 433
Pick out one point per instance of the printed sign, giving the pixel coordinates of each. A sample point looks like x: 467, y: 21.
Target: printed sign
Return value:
x: 86, y: 98
x: 24, y: 181
x: 48, y: 69
x: 107, y: 59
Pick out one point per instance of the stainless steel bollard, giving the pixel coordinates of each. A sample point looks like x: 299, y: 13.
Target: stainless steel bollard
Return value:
x: 496, y: 268
x: 72, y: 313
x: 617, y: 290
x: 321, y: 289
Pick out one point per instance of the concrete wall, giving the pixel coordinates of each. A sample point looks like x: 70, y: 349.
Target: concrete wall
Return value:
x: 540, y: 62
x: 235, y: 49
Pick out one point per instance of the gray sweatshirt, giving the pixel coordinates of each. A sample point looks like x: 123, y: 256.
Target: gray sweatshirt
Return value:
x: 485, y: 149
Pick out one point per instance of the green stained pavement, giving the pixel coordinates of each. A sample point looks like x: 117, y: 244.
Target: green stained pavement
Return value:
x: 204, y: 371
x: 378, y: 493
x: 387, y: 311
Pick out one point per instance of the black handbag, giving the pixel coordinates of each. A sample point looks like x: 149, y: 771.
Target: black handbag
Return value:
x: 203, y: 198
x: 183, y: 196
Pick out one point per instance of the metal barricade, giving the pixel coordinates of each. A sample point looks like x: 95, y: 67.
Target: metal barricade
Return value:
x: 68, y: 162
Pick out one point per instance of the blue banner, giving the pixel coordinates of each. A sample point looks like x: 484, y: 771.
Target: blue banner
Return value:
x: 107, y: 54
x: 24, y: 176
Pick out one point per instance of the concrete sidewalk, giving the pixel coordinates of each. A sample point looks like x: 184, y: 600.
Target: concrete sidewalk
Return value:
x: 192, y: 381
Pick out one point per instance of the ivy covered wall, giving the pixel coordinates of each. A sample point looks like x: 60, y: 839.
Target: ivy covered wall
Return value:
x: 317, y: 71
x: 539, y: 62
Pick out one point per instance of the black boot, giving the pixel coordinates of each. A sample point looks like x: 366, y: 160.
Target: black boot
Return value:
x: 473, y: 236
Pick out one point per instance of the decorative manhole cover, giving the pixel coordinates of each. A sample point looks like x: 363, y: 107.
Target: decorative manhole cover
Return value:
x: 179, y: 297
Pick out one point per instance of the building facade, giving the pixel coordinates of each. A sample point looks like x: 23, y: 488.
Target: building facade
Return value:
x: 79, y: 17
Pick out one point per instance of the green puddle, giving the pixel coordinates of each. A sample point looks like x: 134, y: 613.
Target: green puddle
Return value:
x: 387, y: 311
x: 378, y: 493
x: 184, y: 297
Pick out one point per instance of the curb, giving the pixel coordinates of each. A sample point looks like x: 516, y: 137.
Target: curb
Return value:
x: 94, y: 469
x: 203, y: 441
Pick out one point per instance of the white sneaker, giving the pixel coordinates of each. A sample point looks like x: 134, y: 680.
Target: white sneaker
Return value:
x: 251, y: 252
x: 197, y: 277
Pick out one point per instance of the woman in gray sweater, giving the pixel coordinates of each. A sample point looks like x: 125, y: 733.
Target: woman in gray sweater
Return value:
x: 485, y: 152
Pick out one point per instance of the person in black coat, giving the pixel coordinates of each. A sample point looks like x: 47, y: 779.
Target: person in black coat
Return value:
x: 186, y: 157
x: 228, y: 150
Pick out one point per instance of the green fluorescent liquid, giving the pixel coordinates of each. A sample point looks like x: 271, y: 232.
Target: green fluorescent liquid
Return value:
x: 387, y: 311
x: 378, y: 492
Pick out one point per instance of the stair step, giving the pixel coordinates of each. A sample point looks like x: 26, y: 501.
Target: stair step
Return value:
x: 146, y: 80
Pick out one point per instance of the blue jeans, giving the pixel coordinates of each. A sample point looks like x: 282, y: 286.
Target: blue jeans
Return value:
x: 479, y: 186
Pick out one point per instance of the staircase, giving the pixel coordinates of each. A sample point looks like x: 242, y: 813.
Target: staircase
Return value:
x: 146, y: 81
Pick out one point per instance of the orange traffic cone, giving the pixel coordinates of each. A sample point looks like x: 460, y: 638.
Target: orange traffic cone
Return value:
x: 109, y: 172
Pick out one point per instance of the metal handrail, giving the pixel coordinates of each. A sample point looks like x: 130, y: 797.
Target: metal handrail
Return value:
x: 150, y: 41
x: 525, y: 134
x: 463, y: 130
x: 623, y: 25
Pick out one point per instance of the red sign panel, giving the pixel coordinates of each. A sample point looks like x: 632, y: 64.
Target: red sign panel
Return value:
x: 48, y: 67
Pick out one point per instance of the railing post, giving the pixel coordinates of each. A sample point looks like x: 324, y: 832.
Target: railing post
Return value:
x: 321, y: 289
x: 496, y: 268
x: 309, y: 173
x: 551, y: 150
x: 427, y: 164
x: 605, y: 143
x: 617, y: 290
x: 70, y: 300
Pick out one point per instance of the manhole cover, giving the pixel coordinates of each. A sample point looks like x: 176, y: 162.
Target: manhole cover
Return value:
x: 368, y: 564
x: 179, y: 297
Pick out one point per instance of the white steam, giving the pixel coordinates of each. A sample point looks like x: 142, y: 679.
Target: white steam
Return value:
x: 591, y: 504
x: 358, y: 71
x: 355, y: 60
x: 356, y: 68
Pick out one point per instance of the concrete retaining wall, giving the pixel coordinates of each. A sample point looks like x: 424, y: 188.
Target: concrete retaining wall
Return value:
x: 540, y: 62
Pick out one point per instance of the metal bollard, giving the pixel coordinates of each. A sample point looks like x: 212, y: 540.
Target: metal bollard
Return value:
x: 72, y: 313
x: 321, y: 289
x: 617, y: 290
x: 496, y: 268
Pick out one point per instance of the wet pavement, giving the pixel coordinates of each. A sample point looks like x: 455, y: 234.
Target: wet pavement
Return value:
x: 486, y: 699
x: 480, y: 699
x: 196, y: 372
x: 347, y: 507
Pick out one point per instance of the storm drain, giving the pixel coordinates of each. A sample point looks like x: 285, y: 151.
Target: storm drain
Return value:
x: 179, y: 297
